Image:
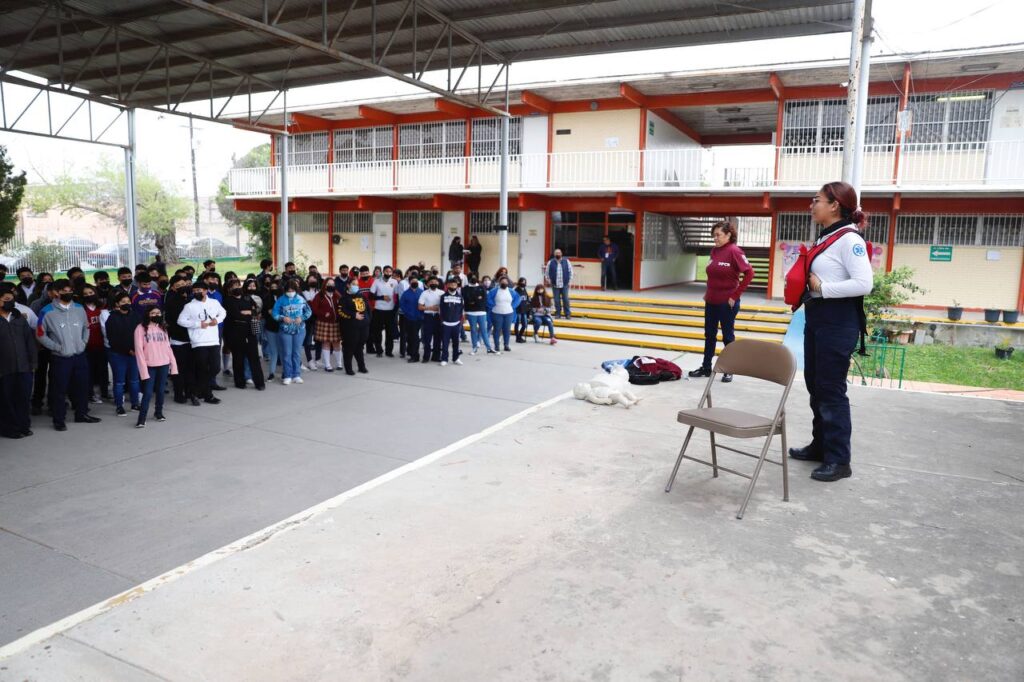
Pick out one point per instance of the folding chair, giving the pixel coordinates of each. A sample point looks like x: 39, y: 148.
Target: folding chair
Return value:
x: 744, y: 357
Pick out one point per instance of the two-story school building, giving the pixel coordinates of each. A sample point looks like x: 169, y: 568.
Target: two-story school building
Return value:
x: 651, y: 161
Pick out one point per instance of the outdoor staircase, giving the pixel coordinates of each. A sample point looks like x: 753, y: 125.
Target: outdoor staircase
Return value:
x: 660, y: 323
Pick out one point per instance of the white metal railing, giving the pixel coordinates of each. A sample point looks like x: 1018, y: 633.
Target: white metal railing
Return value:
x: 952, y: 164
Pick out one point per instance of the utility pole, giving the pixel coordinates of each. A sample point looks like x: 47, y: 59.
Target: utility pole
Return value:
x: 195, y: 182
x: 857, y: 93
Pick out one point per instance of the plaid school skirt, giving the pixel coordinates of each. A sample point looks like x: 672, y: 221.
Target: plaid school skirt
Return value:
x: 327, y: 332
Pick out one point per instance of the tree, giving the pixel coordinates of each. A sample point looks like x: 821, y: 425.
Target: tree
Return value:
x: 101, y: 190
x: 256, y: 224
x: 12, y: 189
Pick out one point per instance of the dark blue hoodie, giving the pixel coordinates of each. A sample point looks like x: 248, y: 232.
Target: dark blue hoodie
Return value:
x: 452, y: 308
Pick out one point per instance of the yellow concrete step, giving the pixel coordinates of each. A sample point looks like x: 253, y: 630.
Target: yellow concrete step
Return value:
x: 668, y: 302
x: 587, y: 313
x: 613, y: 338
x: 680, y: 312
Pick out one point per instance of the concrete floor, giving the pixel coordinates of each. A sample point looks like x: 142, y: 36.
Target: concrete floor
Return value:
x: 96, y: 510
x: 547, y: 550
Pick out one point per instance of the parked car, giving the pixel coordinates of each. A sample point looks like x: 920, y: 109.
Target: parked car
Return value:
x: 207, y: 247
x: 114, y: 255
x: 15, y: 258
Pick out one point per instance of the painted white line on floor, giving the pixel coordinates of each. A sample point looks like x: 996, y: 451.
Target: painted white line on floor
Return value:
x: 259, y: 537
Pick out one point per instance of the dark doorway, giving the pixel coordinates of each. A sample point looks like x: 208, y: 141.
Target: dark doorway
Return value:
x: 622, y: 234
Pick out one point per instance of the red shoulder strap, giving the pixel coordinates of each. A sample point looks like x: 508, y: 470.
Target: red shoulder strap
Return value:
x: 817, y: 250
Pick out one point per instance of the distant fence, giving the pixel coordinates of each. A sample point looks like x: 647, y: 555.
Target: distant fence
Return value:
x: 57, y: 256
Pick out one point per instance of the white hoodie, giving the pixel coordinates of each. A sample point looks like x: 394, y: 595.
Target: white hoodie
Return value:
x: 195, y: 313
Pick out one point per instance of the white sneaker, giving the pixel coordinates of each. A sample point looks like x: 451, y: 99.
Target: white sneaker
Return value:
x: 299, y: 380
x: 497, y: 352
x: 250, y: 382
x: 313, y: 366
x: 473, y: 352
x: 285, y: 382
x: 458, y: 362
x: 444, y: 363
x: 303, y: 367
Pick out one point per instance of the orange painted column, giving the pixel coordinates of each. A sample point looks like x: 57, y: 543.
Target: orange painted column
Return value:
x: 394, y: 240
x: 394, y: 157
x: 330, y: 238
x: 638, y: 250
x: 551, y: 142
x: 469, y: 147
x: 643, y: 143
x: 779, y: 116
x: 890, y: 247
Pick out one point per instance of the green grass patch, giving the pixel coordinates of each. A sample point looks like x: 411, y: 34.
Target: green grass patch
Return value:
x: 702, y: 267
x: 964, y: 367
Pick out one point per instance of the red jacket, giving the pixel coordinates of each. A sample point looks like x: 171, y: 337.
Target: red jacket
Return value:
x: 325, y: 307
x: 95, y: 341
x: 725, y: 266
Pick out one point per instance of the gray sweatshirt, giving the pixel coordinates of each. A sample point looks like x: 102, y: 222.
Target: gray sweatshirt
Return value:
x: 65, y: 330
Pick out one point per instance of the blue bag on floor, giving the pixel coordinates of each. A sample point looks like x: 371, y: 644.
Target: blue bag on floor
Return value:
x: 609, y: 365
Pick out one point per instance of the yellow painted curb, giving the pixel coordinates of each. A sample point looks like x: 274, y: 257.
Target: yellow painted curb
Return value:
x: 668, y: 302
x: 682, y: 312
x: 684, y: 322
x: 628, y: 329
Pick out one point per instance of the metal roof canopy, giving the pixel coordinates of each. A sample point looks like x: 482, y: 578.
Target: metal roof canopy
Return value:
x: 160, y: 54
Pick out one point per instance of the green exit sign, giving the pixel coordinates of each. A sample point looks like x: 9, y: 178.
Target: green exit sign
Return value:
x: 943, y: 254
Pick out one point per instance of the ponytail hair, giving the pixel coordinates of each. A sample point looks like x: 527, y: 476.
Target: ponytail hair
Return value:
x: 846, y: 196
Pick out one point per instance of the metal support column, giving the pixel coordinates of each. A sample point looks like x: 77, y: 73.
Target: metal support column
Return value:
x: 283, y: 235
x: 195, y: 181
x: 857, y: 94
x: 503, y: 188
x: 130, y: 212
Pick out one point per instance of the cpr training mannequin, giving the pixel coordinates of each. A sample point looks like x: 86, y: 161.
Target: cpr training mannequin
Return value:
x: 607, y: 389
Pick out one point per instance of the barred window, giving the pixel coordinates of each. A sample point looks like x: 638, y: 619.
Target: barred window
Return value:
x: 812, y: 126
x: 578, y: 235
x: 419, y: 222
x: 439, y: 140
x: 304, y: 149
x: 957, y: 230
x: 1003, y: 230
x: 951, y: 117
x: 308, y: 222
x: 877, y: 231
x: 486, y: 138
x: 363, y: 145
x: 915, y: 229
x: 355, y: 223
x: 485, y: 222
x: 795, y: 227
x: 655, y: 237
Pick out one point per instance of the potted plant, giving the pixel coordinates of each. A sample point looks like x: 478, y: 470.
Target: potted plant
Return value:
x: 1011, y: 316
x: 891, y: 290
x: 992, y: 315
x: 1003, y: 349
x: 955, y: 312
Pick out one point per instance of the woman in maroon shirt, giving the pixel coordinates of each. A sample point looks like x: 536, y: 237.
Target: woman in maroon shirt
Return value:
x: 722, y: 299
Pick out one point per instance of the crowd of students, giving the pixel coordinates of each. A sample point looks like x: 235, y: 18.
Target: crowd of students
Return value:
x: 67, y: 340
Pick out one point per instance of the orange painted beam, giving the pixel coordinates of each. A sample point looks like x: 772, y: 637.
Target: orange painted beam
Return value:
x: 257, y: 205
x: 377, y: 115
x: 736, y: 139
x: 775, y: 83
x: 680, y: 125
x: 453, y: 109
x: 609, y: 104
x: 629, y: 202
x: 536, y: 102
x: 630, y: 93
x: 380, y: 204
x: 307, y: 123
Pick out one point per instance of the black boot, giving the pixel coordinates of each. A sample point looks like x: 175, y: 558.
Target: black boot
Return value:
x: 700, y: 372
x: 808, y: 453
x: 832, y: 472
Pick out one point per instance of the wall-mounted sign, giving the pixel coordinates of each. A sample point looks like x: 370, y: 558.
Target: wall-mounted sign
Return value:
x: 650, y: 127
x: 563, y: 131
x: 611, y: 142
x: 941, y: 254
x: 993, y: 255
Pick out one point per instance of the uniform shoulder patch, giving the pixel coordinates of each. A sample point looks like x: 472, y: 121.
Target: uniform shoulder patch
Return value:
x: 859, y: 250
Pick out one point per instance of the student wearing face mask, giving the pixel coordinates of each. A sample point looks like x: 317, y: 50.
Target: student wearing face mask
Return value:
x: 355, y: 327
x: 559, y: 277
x: 310, y: 345
x: 384, y: 292
x: 341, y: 281
x: 327, y: 326
x: 523, y: 312
x: 118, y: 326
x: 401, y: 288
x: 125, y: 283
x: 251, y: 291
x: 64, y: 331
x: 103, y: 289
x: 18, y: 349
x: 540, y: 305
x: 155, y: 361
x: 412, y: 317
x: 240, y: 337
x: 26, y: 285
x: 147, y: 296
x: 452, y: 312
x: 366, y: 280
x: 430, y: 306
x: 179, y: 293
x: 271, y: 327
x: 201, y: 317
x: 502, y: 302
x: 291, y: 311
x: 95, y: 353
x: 475, y: 298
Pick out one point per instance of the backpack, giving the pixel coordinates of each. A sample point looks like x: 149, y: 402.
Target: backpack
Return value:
x: 646, y: 371
x: 800, y: 274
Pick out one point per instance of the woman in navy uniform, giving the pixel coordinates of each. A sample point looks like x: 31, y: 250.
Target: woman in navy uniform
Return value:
x: 839, y: 279
x: 355, y: 327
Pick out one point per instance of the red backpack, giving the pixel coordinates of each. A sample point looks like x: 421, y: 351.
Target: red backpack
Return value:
x: 800, y: 273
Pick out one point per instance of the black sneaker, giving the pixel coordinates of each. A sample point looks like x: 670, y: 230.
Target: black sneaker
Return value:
x: 140, y: 425
x: 700, y: 372
x: 159, y: 416
x: 194, y: 401
x: 270, y: 377
x: 726, y: 378
x: 136, y: 408
x: 507, y: 349
x: 121, y: 412
x: 212, y: 400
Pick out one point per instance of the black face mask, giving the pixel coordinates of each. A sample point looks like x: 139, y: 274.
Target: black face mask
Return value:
x: 274, y: 290
x: 126, y: 282
x: 103, y: 286
x: 89, y: 299
x: 452, y: 289
x: 433, y: 285
x: 504, y: 285
x: 387, y: 276
x: 162, y: 284
x: 199, y: 295
x: 27, y: 281
x: 414, y: 285
x: 558, y: 258
x: 156, y: 319
x: 124, y: 307
x: 236, y: 292
x: 330, y: 289
x: 66, y: 298
x: 8, y: 306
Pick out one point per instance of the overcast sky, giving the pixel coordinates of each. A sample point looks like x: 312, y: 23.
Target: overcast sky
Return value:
x: 903, y: 27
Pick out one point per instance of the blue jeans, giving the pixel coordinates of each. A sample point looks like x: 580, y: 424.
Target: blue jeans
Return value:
x: 522, y: 322
x: 450, y: 334
x: 154, y: 385
x: 562, y: 301
x: 502, y: 327
x: 125, y: 371
x: 478, y: 331
x: 609, y: 277
x: 545, y: 320
x: 716, y: 314
x: 291, y: 352
x: 272, y: 347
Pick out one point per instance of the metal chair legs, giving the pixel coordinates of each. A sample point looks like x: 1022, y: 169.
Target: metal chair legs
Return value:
x: 679, y: 460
